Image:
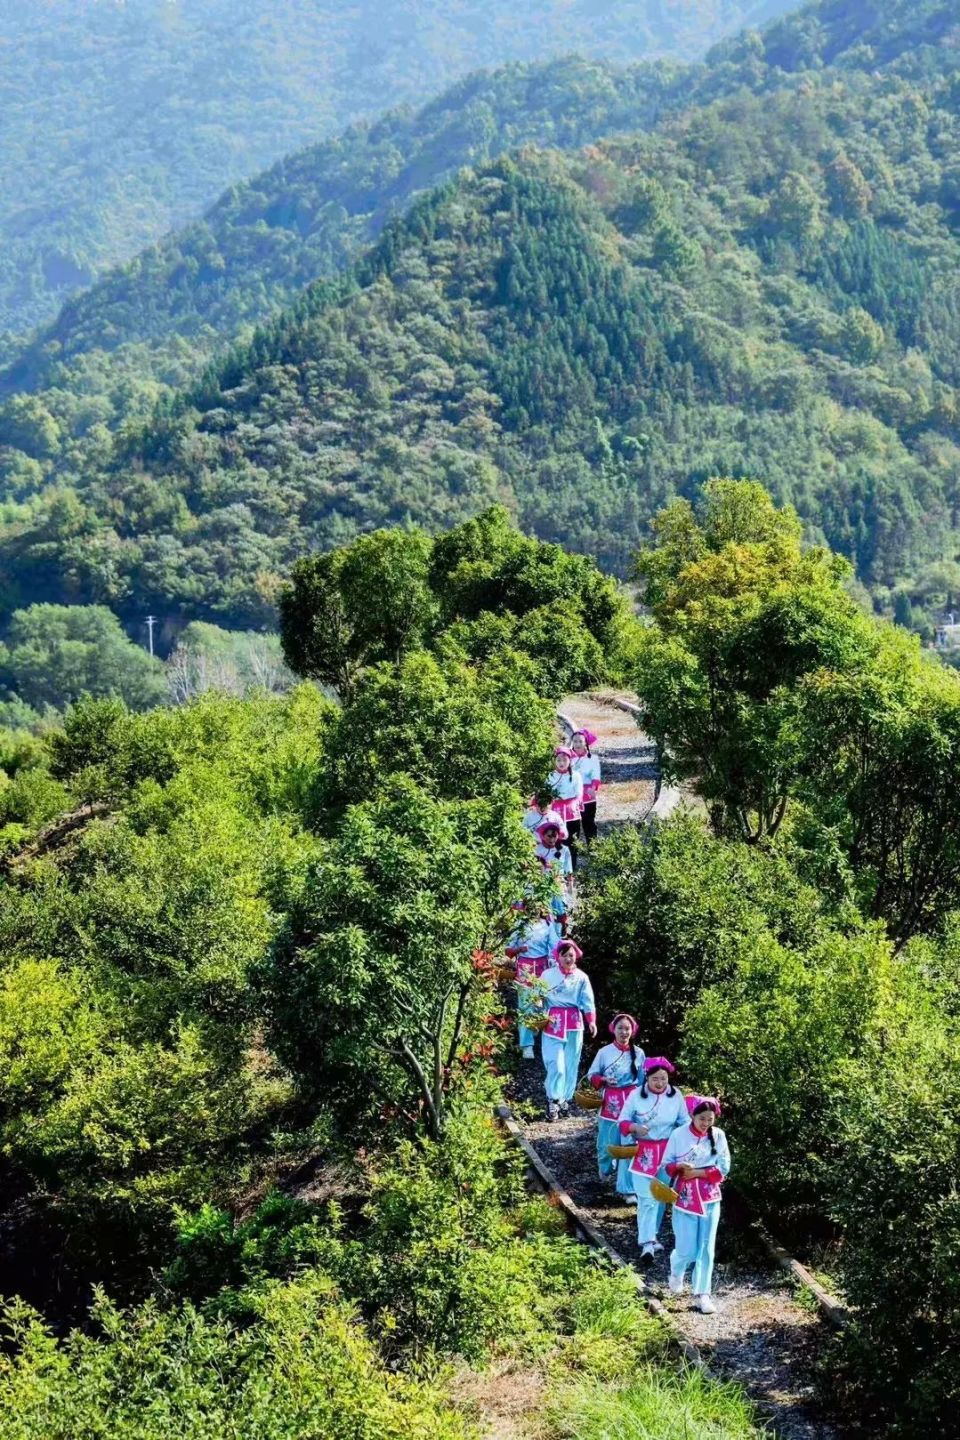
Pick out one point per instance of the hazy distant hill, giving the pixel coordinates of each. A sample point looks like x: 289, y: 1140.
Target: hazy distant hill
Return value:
x: 765, y: 285
x: 919, y: 38
x: 316, y: 209
x: 121, y: 120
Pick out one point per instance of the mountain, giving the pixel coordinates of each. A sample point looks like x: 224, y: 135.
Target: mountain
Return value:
x: 914, y: 38
x: 314, y: 211
x: 122, y: 120
x: 764, y: 286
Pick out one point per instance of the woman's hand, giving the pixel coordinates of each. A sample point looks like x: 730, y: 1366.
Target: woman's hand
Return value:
x: 639, y: 1132
x: 592, y: 1030
x: 686, y: 1172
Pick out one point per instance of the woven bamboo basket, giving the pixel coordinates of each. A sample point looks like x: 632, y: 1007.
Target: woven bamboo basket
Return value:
x: 623, y: 1152
x: 588, y: 1100
x: 534, y: 1019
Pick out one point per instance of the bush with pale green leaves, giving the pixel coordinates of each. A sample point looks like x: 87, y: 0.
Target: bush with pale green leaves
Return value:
x: 304, y: 1368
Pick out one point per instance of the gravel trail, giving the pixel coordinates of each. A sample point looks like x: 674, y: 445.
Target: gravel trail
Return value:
x: 627, y: 757
x: 760, y: 1336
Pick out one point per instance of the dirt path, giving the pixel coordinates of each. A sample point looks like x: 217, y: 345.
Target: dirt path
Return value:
x: 627, y: 758
x: 760, y: 1336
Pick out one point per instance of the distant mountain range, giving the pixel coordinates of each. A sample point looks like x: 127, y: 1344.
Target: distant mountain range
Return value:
x: 748, y: 267
x: 119, y: 121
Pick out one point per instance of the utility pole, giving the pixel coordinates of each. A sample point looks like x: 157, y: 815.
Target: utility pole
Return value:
x: 151, y: 621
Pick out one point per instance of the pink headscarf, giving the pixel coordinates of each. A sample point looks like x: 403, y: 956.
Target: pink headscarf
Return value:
x: 622, y: 1015
x: 555, y: 824
x: 658, y: 1062
x: 565, y: 945
x: 694, y: 1103
x: 565, y: 750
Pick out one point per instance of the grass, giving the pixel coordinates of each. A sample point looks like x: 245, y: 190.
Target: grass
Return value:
x: 657, y: 1404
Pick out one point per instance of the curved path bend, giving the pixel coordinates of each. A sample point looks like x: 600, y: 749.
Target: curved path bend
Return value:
x: 761, y: 1336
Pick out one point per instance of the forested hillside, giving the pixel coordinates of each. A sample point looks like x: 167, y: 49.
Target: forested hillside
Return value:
x: 762, y: 286
x: 122, y: 120
x: 307, y: 216
x: 918, y: 38
x: 316, y: 210
x: 254, y: 1002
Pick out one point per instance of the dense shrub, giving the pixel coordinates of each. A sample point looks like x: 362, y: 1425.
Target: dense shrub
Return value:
x: 778, y: 1038
x: 304, y: 1368
x: 460, y: 730
x: 564, y: 655
x: 668, y: 909
x: 837, y: 1059
x: 896, y: 1200
x: 373, y: 993
x: 221, y: 1258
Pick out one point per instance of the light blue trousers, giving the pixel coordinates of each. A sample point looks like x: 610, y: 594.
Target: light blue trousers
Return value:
x: 608, y: 1133
x: 696, y: 1241
x: 561, y: 1060
x: 649, y: 1211
x: 525, y: 1036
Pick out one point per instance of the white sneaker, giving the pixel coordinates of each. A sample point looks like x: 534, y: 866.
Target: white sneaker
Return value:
x: 676, y: 1284
x: 657, y: 1247
x: 527, y: 1052
x: 705, y: 1305
x: 629, y: 1198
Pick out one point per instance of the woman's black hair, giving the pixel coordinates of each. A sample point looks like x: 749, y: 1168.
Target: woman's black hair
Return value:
x: 645, y: 1092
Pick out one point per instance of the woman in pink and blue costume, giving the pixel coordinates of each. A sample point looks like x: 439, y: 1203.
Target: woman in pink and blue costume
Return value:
x: 616, y: 1072
x: 531, y: 946
x: 566, y: 786
x: 697, y: 1160
x: 568, y: 999
x: 652, y: 1113
x: 587, y: 766
x: 554, y: 855
x: 540, y: 810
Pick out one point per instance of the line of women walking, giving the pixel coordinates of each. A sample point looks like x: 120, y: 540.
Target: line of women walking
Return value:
x: 676, y: 1153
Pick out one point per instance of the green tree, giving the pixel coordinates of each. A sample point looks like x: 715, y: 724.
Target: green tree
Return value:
x: 460, y: 729
x: 563, y: 654
x: 861, y: 338
x: 372, y: 990
x: 366, y: 602
x: 794, y: 211
x: 486, y: 564
x: 849, y: 191
x: 882, y: 756
x: 742, y: 615
x: 55, y: 654
x: 671, y: 911
x: 901, y: 1148
x: 27, y: 425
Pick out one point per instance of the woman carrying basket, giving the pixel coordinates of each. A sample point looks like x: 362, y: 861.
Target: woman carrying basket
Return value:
x: 697, y: 1159
x: 531, y: 947
x: 651, y: 1115
x: 568, y: 999
x: 616, y: 1072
